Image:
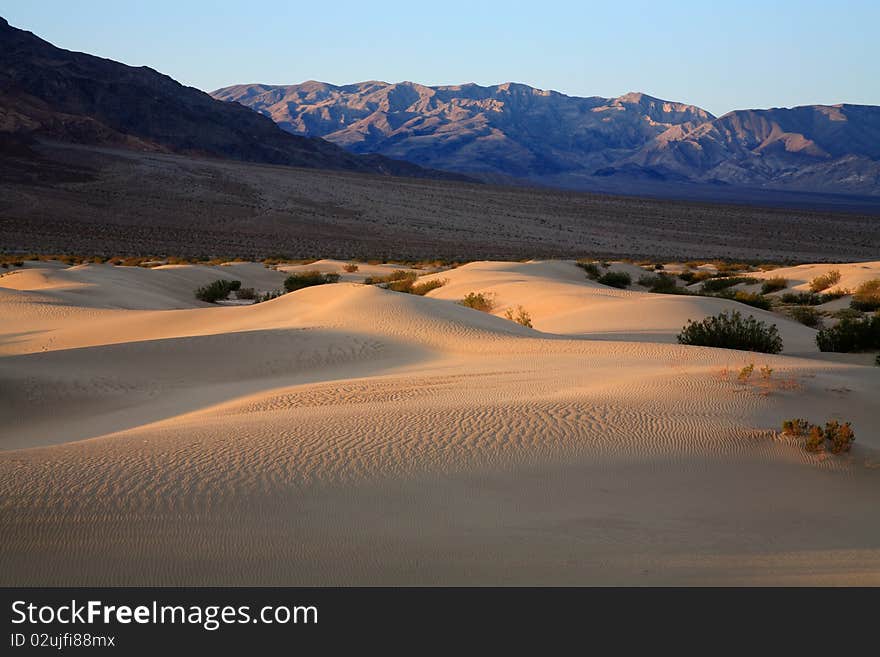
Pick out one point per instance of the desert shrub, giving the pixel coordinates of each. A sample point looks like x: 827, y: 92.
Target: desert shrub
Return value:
x: 727, y: 267
x: 847, y: 313
x: 520, y: 316
x: 867, y: 296
x: 730, y: 330
x: 661, y: 283
x: 401, y: 281
x: 590, y: 267
x: 841, y: 436
x: 350, y: 268
x: 393, y: 277
x: 796, y: 427
x: 247, y: 293
x: 752, y: 299
x: 806, y: 316
x: 659, y: 266
x: 268, y: 296
x: 815, y: 440
x: 746, y: 372
x: 825, y: 281
x: 619, y: 279
x: 766, y: 372
x: 802, y: 298
x: 773, y: 284
x: 695, y: 276
x: 479, y: 301
x: 309, y: 278
x: 423, y: 288
x: 216, y: 291
x: 718, y: 284
x: 857, y: 334
x: 877, y: 360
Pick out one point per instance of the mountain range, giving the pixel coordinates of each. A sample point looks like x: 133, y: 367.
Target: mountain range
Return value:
x: 516, y: 133
x: 50, y: 93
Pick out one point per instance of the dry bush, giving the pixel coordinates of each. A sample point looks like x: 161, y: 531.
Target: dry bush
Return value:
x: 806, y: 316
x: 867, y: 296
x: 247, y: 293
x: 350, y: 268
x: 520, y: 316
x: 422, y: 289
x: 796, y: 427
x: 774, y: 284
x: 309, y: 278
x: 746, y: 373
x: 825, y: 281
x: 482, y: 301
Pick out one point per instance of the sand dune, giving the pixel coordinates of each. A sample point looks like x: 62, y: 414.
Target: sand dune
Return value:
x: 345, y: 434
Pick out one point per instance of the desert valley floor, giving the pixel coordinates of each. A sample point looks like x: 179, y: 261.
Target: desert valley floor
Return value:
x: 347, y: 434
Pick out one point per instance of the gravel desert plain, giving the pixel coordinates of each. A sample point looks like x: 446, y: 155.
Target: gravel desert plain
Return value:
x: 347, y: 433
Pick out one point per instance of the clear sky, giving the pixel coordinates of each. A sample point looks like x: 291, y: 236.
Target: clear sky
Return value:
x: 718, y: 55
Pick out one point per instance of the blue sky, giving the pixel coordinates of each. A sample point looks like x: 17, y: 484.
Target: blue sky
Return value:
x: 720, y: 56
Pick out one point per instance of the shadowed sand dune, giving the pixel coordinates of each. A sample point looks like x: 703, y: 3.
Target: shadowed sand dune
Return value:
x: 345, y: 434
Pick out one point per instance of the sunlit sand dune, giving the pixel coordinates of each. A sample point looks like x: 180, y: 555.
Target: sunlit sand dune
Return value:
x: 346, y: 434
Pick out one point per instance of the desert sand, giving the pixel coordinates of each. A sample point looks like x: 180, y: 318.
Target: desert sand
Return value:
x: 344, y: 434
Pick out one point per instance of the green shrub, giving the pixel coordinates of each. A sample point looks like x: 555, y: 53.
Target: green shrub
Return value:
x: 520, y: 316
x: 806, y: 316
x: 619, y: 279
x: 590, y: 267
x: 718, y: 284
x: 774, y: 284
x: 867, y: 296
x: 841, y: 436
x: 479, y: 301
x: 730, y: 330
x: 247, y: 293
x: 216, y: 291
x: 862, y: 334
x: 268, y: 296
x: 825, y: 281
x: 305, y: 279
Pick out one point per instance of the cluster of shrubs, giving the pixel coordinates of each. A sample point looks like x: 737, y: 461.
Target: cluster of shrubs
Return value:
x: 851, y: 334
x: 350, y: 268
x: 837, y: 437
x: 405, y: 281
x: 730, y: 330
x: 481, y: 301
x: 695, y: 276
x: 808, y: 298
x: 748, y: 298
x: 718, y: 284
x: 305, y: 279
x: 217, y: 291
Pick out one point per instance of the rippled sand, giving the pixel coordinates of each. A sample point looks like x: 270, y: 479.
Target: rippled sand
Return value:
x: 345, y: 434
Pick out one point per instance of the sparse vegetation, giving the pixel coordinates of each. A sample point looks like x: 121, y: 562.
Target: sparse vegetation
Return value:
x: 730, y: 330
x: 838, y: 437
x: 268, y: 296
x: 246, y: 293
x: 862, y: 334
x: 619, y: 279
x: 751, y: 299
x: 825, y: 281
x: 217, y: 291
x: 766, y: 372
x: 482, y: 301
x: 867, y: 296
x: 405, y: 281
x: 309, y: 278
x: 350, y: 268
x: 520, y: 316
x: 694, y: 276
x: 773, y: 284
x: 746, y: 373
